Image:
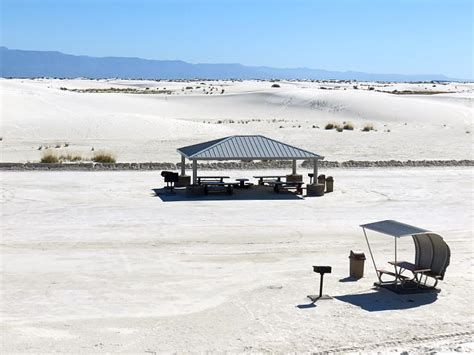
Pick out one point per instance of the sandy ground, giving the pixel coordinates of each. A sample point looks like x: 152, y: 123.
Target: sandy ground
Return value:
x: 36, y: 114
x: 96, y: 262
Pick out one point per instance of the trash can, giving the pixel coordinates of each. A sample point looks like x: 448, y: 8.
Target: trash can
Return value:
x: 322, y: 180
x: 357, y: 260
x: 329, y: 184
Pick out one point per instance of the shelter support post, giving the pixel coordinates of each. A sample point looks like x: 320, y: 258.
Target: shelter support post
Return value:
x: 195, y: 168
x: 315, y: 170
x: 371, y: 255
x: 183, y: 165
x: 294, y: 167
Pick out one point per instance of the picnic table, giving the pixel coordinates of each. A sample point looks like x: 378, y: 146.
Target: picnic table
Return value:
x: 401, y: 266
x: 243, y: 183
x: 262, y: 179
x: 281, y: 185
x: 211, y: 179
x: 217, y: 186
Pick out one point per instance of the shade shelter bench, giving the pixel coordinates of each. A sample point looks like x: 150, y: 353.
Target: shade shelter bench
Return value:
x: 244, y: 148
x: 432, y: 257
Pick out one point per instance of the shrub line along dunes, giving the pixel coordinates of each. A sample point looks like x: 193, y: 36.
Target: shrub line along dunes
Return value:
x: 105, y: 164
x: 146, y: 120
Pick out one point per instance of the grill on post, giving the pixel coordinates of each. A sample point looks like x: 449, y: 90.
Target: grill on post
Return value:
x: 170, y: 178
x: 321, y: 270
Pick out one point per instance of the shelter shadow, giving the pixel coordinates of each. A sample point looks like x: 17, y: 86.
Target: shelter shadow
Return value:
x: 384, y: 300
x: 256, y: 193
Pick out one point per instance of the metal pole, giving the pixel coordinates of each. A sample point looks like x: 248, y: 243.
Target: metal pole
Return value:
x: 183, y: 165
x: 315, y: 171
x: 195, y: 168
x: 371, y: 255
x: 395, y: 250
x: 321, y: 286
x: 294, y: 167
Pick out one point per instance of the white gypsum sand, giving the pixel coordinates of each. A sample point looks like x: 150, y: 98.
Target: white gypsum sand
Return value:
x: 143, y: 127
x: 93, y: 261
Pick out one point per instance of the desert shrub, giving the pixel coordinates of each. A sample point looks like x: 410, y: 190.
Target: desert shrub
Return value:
x: 104, y: 157
x: 71, y: 157
x: 368, y: 127
x: 339, y: 129
x: 348, y: 126
x: 330, y: 125
x: 275, y: 85
x: 49, y: 157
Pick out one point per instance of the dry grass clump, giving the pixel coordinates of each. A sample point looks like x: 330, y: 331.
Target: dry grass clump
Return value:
x: 104, y: 157
x: 275, y: 85
x: 49, y: 157
x: 332, y: 125
x: 348, y: 126
x: 368, y: 127
x: 71, y: 157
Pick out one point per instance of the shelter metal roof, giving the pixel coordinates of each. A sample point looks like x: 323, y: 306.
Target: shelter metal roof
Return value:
x: 245, y: 148
x: 394, y: 228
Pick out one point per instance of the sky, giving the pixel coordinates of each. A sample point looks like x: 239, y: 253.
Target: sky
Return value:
x: 374, y: 36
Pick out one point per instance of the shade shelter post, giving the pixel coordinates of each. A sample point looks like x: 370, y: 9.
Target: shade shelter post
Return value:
x: 195, y: 171
x: 315, y: 170
x: 183, y: 165
x: 294, y: 167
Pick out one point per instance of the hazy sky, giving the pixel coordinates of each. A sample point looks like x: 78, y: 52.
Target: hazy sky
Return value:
x: 389, y: 36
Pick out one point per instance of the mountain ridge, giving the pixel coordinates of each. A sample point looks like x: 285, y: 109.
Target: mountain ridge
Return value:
x: 27, y: 64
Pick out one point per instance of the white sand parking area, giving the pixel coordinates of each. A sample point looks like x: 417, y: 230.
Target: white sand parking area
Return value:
x: 94, y: 262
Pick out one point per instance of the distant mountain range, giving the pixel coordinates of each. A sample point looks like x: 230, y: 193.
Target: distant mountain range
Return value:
x: 28, y: 64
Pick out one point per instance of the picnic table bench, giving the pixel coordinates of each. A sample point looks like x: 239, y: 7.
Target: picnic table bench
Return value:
x: 217, y: 186
x: 281, y: 185
x: 211, y: 179
x: 262, y: 179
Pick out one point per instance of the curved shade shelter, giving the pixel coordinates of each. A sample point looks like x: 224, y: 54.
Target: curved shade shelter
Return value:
x: 252, y: 147
x: 431, y: 251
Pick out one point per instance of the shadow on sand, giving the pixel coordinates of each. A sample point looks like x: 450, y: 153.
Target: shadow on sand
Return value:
x: 349, y: 279
x: 306, y: 305
x: 384, y: 300
x: 255, y: 193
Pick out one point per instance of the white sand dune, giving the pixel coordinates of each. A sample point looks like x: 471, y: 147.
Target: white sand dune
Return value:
x: 139, y: 127
x: 94, y: 262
